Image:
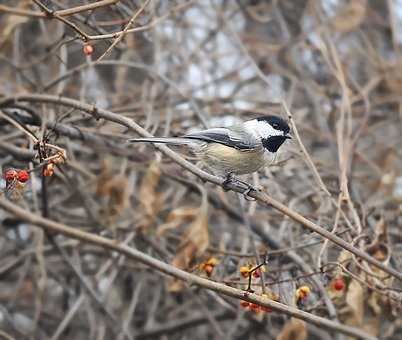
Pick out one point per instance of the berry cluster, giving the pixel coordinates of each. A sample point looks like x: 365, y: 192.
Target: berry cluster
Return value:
x: 253, y: 307
x: 48, y: 169
x: 15, y: 183
x: 246, y: 271
x: 11, y: 175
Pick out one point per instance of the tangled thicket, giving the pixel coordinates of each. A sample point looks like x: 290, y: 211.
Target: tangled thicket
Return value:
x: 175, y: 66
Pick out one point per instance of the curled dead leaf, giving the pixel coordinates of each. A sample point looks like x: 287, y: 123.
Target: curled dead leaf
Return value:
x: 350, y: 16
x: 176, y: 218
x: 150, y: 198
x: 195, y: 241
x: 294, y: 329
x: 10, y: 24
x: 115, y: 188
x: 148, y: 187
x: 393, y: 77
x: 355, y: 302
x: 381, y: 251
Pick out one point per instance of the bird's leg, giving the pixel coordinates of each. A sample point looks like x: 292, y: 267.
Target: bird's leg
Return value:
x: 231, y: 179
x: 228, y: 180
x: 247, y: 191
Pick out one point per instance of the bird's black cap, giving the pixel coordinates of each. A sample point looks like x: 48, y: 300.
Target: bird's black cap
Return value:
x: 276, y: 122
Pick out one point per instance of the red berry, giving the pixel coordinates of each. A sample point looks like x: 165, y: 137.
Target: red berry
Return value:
x: 266, y: 309
x: 339, y: 284
x: 244, y: 304
x: 257, y: 273
x: 23, y: 176
x: 88, y: 49
x: 10, y: 175
x: 255, y: 308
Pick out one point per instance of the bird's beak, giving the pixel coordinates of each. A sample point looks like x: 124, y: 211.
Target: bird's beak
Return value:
x: 288, y: 137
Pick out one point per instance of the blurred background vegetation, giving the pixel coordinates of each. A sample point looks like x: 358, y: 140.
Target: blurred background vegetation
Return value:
x: 178, y: 66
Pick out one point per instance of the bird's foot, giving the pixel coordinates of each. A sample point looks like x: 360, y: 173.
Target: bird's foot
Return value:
x: 231, y: 179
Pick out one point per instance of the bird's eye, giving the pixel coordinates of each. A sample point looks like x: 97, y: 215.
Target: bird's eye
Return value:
x: 275, y: 126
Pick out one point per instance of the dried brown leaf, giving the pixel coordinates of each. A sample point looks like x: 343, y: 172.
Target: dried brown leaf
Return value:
x: 294, y: 329
x: 148, y: 194
x: 194, y: 243
x: 350, y: 16
x: 393, y: 77
x: 355, y: 302
x: 374, y: 303
x: 11, y: 23
x: 372, y: 325
x: 115, y: 188
x: 176, y: 218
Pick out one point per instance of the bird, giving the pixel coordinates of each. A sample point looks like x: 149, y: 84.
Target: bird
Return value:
x: 239, y: 149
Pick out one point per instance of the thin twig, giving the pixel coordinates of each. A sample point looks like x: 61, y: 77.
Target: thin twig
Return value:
x: 260, y: 196
x: 114, y: 245
x: 121, y: 36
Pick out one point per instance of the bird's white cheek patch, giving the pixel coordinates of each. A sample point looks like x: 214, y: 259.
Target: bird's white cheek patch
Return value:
x: 262, y: 129
x: 265, y: 129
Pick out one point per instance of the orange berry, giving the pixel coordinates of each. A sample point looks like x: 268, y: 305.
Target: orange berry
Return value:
x: 10, y: 175
x: 88, y: 49
x: 208, y: 269
x: 302, y: 292
x: 23, y: 176
x: 209, y: 265
x: 245, y: 271
x: 338, y: 284
x: 48, y: 170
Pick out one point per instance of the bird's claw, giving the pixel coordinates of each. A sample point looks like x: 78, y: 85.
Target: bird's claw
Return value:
x: 247, y: 191
x: 230, y: 179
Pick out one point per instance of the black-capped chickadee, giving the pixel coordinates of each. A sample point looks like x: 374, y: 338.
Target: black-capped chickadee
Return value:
x: 235, y: 150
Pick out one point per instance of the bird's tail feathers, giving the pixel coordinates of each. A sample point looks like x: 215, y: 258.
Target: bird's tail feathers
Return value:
x: 164, y: 140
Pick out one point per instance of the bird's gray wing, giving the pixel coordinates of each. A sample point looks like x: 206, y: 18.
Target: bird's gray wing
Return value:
x: 234, y: 137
